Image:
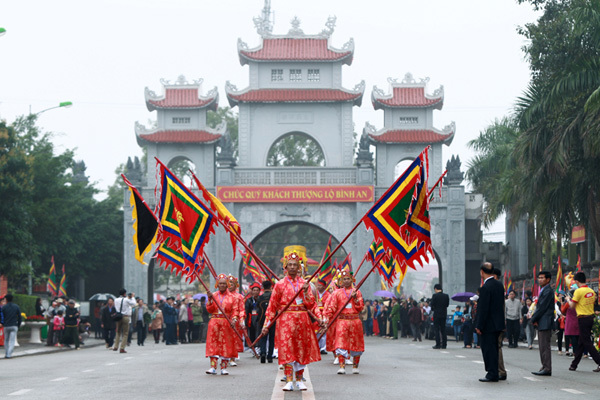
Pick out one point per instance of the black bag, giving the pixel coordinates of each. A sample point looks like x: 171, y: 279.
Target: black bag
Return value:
x: 117, y: 315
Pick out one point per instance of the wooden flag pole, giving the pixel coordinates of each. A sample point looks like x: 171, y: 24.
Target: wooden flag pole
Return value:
x: 338, y: 312
x: 437, y: 183
x: 361, y: 263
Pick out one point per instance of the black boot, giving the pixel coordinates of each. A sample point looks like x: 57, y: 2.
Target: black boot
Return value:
x: 262, y: 359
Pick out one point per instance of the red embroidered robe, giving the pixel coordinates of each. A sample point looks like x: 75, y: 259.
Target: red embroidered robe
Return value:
x: 221, y: 340
x: 349, y: 329
x: 295, y: 337
x: 241, y: 316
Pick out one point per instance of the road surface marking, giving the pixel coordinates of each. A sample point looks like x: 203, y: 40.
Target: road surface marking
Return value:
x: 531, y: 378
x: 62, y: 378
x: 19, y: 392
x: 278, y: 394
x: 88, y: 370
x: 308, y: 394
x: 127, y: 358
x: 573, y: 391
x: 445, y: 352
x: 110, y: 364
x: 460, y: 356
x: 478, y: 362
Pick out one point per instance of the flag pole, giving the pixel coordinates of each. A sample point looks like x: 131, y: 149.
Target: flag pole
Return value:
x: 361, y: 263
x: 338, y: 312
x: 437, y: 183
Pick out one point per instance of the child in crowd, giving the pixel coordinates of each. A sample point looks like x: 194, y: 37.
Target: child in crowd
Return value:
x: 58, y: 323
x: 457, y: 323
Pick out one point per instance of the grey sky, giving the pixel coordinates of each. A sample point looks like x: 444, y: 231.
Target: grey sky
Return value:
x: 101, y: 55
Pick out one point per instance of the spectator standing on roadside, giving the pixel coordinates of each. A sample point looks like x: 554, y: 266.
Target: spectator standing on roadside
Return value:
x: 58, y: 327
x: 205, y: 318
x: 395, y: 317
x: 71, y: 333
x: 467, y: 325
x: 183, y: 320
x: 170, y: 316
x: 405, y: 330
x: 11, y: 321
x: 123, y: 305
x: 107, y: 324
x: 571, y: 327
x: 457, y: 323
x: 583, y: 302
x: 543, y: 319
x: 197, y: 320
x: 141, y: 315
x: 157, y: 322
x: 50, y: 314
x: 513, y: 319
x: 439, y: 307
x: 415, y: 317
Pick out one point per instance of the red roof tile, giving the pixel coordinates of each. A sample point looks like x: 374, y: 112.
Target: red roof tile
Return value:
x: 173, y: 136
x: 294, y: 96
x: 181, y: 98
x: 296, y: 49
x: 413, y: 136
x: 407, y: 97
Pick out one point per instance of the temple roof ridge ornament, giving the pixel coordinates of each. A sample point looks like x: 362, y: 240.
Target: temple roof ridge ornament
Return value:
x: 418, y: 135
x: 181, y: 94
x: 407, y: 93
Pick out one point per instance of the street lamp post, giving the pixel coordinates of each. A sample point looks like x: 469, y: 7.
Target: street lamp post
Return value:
x: 65, y: 104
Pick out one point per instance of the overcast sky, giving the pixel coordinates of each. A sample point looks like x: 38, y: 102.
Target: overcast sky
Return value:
x: 101, y: 56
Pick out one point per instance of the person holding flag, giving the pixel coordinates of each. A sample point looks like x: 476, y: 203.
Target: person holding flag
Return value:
x: 349, y: 339
x: 233, y: 288
x: 322, y: 297
x: 221, y: 340
x: 295, y: 338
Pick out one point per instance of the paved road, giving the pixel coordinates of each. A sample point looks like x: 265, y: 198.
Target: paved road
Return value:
x: 389, y: 370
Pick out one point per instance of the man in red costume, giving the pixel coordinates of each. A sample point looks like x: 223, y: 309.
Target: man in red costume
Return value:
x: 221, y: 340
x: 240, y: 327
x: 295, y: 337
x: 349, y: 340
x: 322, y: 296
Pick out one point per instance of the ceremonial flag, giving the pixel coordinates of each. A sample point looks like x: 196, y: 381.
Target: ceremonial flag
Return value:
x: 375, y: 251
x: 509, y: 285
x: 346, y: 264
x: 523, y: 292
x: 170, y: 257
x: 51, y: 285
x: 387, y: 268
x: 559, y: 279
x: 145, y: 223
x: 578, y: 263
x: 223, y: 214
x: 183, y: 217
x: 251, y: 268
x: 389, y: 217
x: 326, y: 273
x: 534, y: 287
x: 62, y: 291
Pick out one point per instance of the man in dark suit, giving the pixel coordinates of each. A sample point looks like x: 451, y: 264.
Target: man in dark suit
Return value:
x: 490, y: 320
x: 439, y: 307
x: 543, y: 318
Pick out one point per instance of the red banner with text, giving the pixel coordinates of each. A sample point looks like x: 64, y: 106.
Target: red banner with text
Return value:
x: 295, y: 194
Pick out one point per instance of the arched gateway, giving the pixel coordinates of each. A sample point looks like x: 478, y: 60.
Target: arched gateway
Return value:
x: 295, y: 85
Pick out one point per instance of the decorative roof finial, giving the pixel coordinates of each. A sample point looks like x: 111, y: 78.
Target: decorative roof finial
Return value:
x: 329, y: 26
x: 295, y: 30
x: 263, y: 23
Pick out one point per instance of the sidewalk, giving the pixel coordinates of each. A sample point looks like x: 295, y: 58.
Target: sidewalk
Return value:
x: 30, y: 349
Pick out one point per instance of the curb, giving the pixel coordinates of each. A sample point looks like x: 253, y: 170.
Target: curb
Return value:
x: 40, y: 351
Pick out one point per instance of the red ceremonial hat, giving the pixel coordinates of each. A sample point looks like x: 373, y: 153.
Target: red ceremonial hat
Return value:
x: 255, y: 285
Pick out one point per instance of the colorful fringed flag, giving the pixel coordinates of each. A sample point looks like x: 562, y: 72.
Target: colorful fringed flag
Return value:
x: 169, y: 257
x: 250, y: 267
x: 184, y: 218
x: 406, y: 200
x: 51, y: 285
x: 509, y: 285
x: 223, y: 214
x: 559, y: 280
x: 387, y: 268
x: 62, y: 290
x: 534, y: 287
x: 504, y: 283
x: 346, y: 264
x: 326, y: 273
x: 578, y: 263
x: 145, y: 223
x: 375, y: 251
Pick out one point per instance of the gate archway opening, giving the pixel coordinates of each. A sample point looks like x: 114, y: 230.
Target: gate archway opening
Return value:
x: 269, y: 245
x: 296, y: 149
x: 418, y: 283
x: 180, y: 166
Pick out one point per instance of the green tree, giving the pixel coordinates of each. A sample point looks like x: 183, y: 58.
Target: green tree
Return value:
x: 296, y: 150
x: 16, y: 186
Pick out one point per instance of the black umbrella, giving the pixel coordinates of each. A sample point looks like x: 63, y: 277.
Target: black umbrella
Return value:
x: 102, y: 297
